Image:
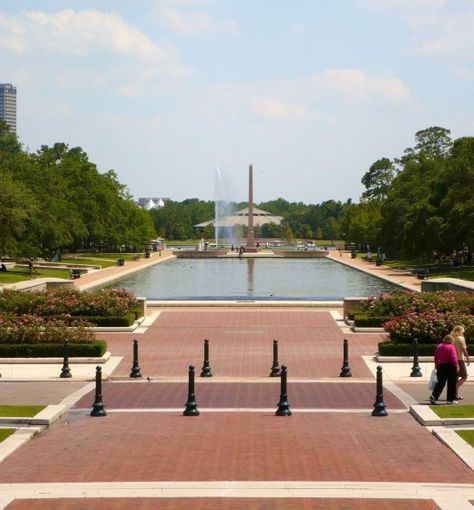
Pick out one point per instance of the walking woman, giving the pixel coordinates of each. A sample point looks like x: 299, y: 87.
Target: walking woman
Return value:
x: 446, y: 363
x: 461, y: 350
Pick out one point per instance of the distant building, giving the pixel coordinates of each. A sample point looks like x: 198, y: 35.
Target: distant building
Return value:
x: 241, y: 218
x: 151, y: 202
x: 8, y: 105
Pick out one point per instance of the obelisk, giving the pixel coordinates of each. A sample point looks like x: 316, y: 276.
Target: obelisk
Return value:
x: 250, y: 233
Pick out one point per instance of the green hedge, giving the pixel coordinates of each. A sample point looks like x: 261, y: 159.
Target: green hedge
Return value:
x: 94, y: 350
x: 125, y: 320
x: 362, y: 320
x: 392, y: 349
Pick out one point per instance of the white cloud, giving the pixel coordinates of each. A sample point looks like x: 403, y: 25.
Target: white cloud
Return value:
x: 83, y: 33
x: 193, y: 23
x: 277, y: 109
x: 357, y: 86
x: 382, y: 5
x: 443, y: 33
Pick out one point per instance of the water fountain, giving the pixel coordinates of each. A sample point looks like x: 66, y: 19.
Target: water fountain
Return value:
x: 222, y: 208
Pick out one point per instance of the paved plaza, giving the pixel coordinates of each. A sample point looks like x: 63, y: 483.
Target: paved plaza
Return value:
x: 330, y: 454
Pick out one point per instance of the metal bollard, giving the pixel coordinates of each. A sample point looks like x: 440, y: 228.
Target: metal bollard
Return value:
x: 379, y: 405
x: 191, y: 404
x: 98, y: 406
x: 206, y: 368
x: 415, y: 369
x: 135, y: 373
x: 65, y: 370
x: 275, y: 371
x: 283, y: 406
x: 345, y: 369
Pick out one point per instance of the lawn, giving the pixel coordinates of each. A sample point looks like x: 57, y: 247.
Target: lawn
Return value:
x: 458, y: 411
x: 7, y: 411
x: 464, y: 273
x: 467, y: 435
x: 18, y: 274
x: 4, y: 433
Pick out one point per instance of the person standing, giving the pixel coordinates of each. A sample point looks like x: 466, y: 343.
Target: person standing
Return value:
x: 446, y: 363
x: 461, y: 350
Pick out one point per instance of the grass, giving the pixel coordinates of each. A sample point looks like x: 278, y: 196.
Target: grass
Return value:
x: 88, y: 262
x: 4, y: 433
x: 457, y: 411
x: 18, y: 274
x: 19, y: 411
x: 467, y: 435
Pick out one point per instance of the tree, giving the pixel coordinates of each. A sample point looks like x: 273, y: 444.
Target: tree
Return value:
x: 377, y: 179
x: 8, y: 139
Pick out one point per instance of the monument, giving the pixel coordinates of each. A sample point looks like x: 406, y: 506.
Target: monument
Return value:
x: 250, y: 248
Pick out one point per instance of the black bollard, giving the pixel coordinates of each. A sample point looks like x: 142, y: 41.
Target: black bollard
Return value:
x: 191, y: 404
x: 415, y: 369
x: 275, y: 372
x: 379, y: 405
x: 135, y: 373
x: 206, y: 368
x: 98, y: 406
x: 65, y: 370
x: 283, y: 406
x: 345, y: 369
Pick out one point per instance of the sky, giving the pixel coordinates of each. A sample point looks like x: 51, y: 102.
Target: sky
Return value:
x: 171, y: 93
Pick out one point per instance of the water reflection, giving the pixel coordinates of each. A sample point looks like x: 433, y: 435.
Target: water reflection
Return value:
x: 250, y: 277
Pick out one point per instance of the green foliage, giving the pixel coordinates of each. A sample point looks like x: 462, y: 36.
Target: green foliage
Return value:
x: 56, y: 200
x: 53, y: 350
x: 377, y: 179
x: 405, y: 349
x: 363, y: 320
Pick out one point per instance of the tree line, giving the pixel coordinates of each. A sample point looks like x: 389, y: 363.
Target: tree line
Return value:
x: 419, y: 204
x: 55, y: 199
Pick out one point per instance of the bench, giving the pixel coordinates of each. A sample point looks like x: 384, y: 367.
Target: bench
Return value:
x: 74, y: 274
x: 422, y: 273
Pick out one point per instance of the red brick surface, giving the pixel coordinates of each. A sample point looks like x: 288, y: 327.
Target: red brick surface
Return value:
x: 241, y: 344
x: 222, y: 504
x: 236, y: 446
x: 343, y: 395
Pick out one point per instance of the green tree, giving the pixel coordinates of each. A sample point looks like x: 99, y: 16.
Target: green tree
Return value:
x: 377, y: 179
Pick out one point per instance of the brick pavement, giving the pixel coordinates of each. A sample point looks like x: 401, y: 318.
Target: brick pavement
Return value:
x: 343, y: 395
x: 310, y: 343
x: 235, y: 446
x: 221, y: 504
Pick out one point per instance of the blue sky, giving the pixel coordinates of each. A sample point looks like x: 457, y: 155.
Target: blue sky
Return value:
x: 311, y: 92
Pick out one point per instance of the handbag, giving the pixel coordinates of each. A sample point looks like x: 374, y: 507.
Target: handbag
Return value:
x: 433, y: 379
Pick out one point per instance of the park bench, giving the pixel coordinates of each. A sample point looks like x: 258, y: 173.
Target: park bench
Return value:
x: 422, y: 273
x: 74, y: 273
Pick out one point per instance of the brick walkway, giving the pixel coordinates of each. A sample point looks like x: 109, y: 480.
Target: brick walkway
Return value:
x: 222, y: 504
x: 241, y: 343
x: 235, y: 446
x: 343, y: 395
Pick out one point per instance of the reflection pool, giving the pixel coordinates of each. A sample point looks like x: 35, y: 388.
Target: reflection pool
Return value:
x: 252, y: 279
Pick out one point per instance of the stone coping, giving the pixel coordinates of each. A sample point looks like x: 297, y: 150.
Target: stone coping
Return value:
x: 30, y: 361
x: 426, y: 416
x: 47, y: 416
x: 244, y: 304
x: 456, y: 443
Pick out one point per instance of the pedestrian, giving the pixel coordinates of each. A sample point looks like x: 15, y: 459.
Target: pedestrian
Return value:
x: 446, y: 364
x: 461, y: 350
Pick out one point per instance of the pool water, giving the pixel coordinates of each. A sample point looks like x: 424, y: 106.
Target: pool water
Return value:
x: 252, y: 279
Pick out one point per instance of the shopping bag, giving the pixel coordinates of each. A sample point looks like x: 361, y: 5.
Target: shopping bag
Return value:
x: 433, y: 379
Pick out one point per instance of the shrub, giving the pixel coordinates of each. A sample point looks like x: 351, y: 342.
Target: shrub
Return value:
x: 31, y: 329
x: 92, y: 350
x: 427, y: 327
x: 362, y: 320
x: 125, y: 320
x: 65, y: 301
x: 396, y: 349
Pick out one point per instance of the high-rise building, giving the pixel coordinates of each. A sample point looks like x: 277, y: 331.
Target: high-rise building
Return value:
x: 8, y: 105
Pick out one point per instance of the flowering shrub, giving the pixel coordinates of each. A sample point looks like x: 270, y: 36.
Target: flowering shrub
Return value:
x: 32, y: 329
x: 395, y: 304
x: 428, y: 326
x: 70, y: 302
